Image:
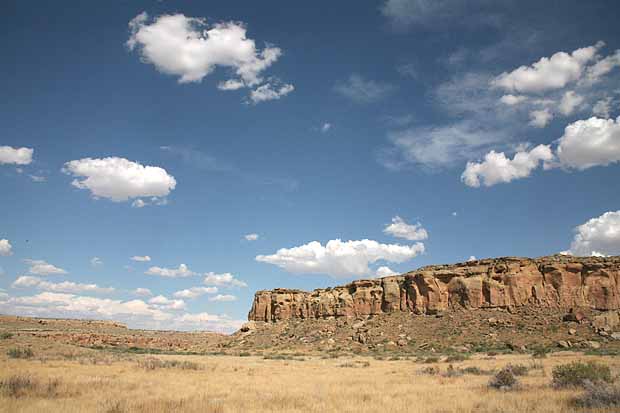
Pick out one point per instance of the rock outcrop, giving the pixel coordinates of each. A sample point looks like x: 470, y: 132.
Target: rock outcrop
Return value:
x: 555, y: 281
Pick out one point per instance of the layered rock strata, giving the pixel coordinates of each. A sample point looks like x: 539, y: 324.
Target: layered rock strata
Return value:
x: 554, y: 281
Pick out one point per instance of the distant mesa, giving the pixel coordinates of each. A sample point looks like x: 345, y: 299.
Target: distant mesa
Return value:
x: 557, y: 281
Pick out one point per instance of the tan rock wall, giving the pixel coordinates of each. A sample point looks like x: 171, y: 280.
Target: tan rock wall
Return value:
x: 554, y: 281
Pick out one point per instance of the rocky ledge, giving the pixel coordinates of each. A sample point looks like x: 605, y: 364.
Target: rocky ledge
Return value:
x: 556, y: 281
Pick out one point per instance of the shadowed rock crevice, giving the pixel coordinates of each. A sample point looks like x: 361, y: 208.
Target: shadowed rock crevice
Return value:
x: 555, y: 281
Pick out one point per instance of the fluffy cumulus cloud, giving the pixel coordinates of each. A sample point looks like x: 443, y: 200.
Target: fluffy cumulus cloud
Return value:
x: 141, y: 258
x: 119, y: 179
x: 28, y: 281
x: 497, y: 168
x: 361, y: 90
x: 195, y: 292
x: 602, y: 68
x: 40, y: 267
x: 6, y: 248
x: 570, y: 101
x: 540, y: 118
x: 270, y: 91
x: 223, y: 280
x: 590, y: 142
x: 251, y: 237
x: 190, y: 48
x: 182, y: 271
x: 598, y: 236
x: 512, y: 100
x: 548, y: 73
x: 143, y: 292
x: 338, y: 258
x: 401, y: 229
x: 162, y: 314
x: 384, y: 271
x: 165, y: 303
x: 223, y: 297
x: 96, y: 262
x: 15, y: 156
x: 602, y: 107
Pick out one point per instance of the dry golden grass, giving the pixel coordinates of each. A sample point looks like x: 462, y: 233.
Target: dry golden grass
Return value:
x: 252, y: 384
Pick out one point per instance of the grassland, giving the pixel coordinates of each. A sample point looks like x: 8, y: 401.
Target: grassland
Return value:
x: 115, y: 382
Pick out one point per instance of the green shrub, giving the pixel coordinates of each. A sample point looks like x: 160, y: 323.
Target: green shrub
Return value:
x: 473, y: 370
x: 20, y: 353
x: 152, y: 363
x: 455, y: 358
x: 430, y: 370
x: 22, y: 385
x: 504, y: 380
x: 577, y: 373
x: 599, y: 395
x: 6, y: 335
x: 518, y: 369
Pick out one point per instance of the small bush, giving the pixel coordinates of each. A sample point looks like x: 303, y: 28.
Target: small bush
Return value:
x: 20, y: 353
x: 540, y: 353
x: 473, y: 370
x: 599, y: 395
x: 432, y: 359
x: 6, y: 336
x: 452, y: 372
x: 504, y: 380
x: 152, y: 363
x: 430, y: 370
x: 518, y: 369
x: 575, y: 374
x: 245, y: 354
x: 455, y: 358
x: 20, y: 385
x: 355, y: 364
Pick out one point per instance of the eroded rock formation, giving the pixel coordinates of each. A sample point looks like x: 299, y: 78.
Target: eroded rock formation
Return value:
x: 554, y: 281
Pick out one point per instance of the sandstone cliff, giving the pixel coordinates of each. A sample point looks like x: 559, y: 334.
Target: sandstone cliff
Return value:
x: 554, y: 281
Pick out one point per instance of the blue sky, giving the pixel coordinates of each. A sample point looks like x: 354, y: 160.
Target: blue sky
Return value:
x: 354, y: 139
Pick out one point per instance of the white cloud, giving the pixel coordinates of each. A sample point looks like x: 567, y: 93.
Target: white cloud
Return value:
x: 119, y: 179
x: 512, y: 100
x: 326, y: 127
x: 223, y: 280
x: 251, y: 237
x: 548, y: 73
x: 360, y: 90
x: 340, y: 259
x: 471, y: 258
x: 497, y: 168
x: 270, y: 91
x: 141, y: 258
x: 37, y: 178
x: 40, y: 267
x: 540, y: 118
x: 195, y: 292
x: 440, y: 146
x: 209, y: 322
x: 602, y: 67
x: 27, y: 281
x: 591, y: 142
x: 138, y: 203
x: 136, y: 313
x: 143, y: 292
x: 6, y: 249
x: 599, y: 236
x: 17, y: 156
x: 454, y: 213
x: 570, y: 101
x: 602, y: 108
x: 223, y: 297
x: 400, y: 229
x: 182, y: 271
x: 164, y: 303
x: 96, y: 262
x: 191, y: 49
x: 385, y: 272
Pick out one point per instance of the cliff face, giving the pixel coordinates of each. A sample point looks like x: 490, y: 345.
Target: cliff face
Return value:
x: 554, y: 281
